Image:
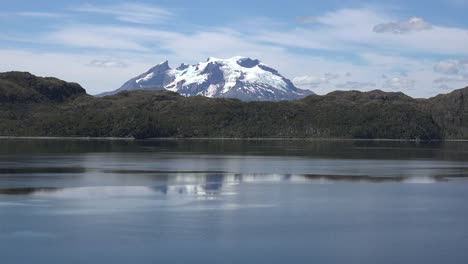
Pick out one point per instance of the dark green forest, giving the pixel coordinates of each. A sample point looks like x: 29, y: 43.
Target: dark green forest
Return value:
x: 35, y: 106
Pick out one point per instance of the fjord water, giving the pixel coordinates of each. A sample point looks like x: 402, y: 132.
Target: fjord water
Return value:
x: 228, y: 201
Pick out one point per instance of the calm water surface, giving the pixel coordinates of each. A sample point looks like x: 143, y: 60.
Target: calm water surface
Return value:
x: 201, y: 201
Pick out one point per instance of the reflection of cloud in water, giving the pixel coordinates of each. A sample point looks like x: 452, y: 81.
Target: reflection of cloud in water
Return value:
x: 223, y: 207
x: 97, y: 192
x: 421, y: 180
x: 219, y: 180
x: 195, y: 189
x: 140, y: 199
x: 179, y: 192
x: 14, y: 204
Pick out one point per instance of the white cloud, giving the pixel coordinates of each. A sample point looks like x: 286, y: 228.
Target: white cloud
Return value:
x: 100, y: 37
x: 356, y: 85
x: 346, y: 31
x: 455, y: 74
x: 224, y: 42
x: 403, y: 26
x: 455, y: 79
x: 338, y: 30
x: 352, y: 18
x: 310, y: 81
x: 107, y: 63
x: 451, y: 83
x: 445, y: 87
x: 350, y: 30
x: 331, y: 76
x: 452, y: 67
x: 399, y: 84
x: 129, y: 12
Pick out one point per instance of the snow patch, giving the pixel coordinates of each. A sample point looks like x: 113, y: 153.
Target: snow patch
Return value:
x: 253, y: 78
x: 146, y: 78
x: 212, y: 89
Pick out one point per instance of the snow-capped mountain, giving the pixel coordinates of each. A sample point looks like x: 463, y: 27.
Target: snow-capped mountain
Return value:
x: 237, y: 77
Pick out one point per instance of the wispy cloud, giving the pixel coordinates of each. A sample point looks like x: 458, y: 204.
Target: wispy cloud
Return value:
x: 399, y: 84
x: 34, y: 15
x: 107, y: 63
x: 308, y: 81
x: 450, y: 83
x: 350, y: 30
x: 443, y: 80
x: 452, y: 67
x: 41, y: 14
x: 129, y: 12
x: 356, y: 85
x: 403, y: 26
x: 100, y: 37
x: 347, y: 30
x: 348, y: 33
x: 331, y: 76
x: 311, y: 81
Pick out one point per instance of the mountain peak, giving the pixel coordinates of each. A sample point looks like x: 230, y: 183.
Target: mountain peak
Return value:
x: 248, y: 62
x: 237, y: 77
x: 238, y: 59
x: 210, y: 59
x: 182, y: 67
x: 161, y: 66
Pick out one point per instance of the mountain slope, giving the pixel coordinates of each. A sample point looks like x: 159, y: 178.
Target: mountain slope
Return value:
x: 237, y: 77
x: 450, y: 111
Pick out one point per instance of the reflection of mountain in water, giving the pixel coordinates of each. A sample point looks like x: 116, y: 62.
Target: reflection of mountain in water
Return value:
x: 217, y: 183
x: 206, y: 184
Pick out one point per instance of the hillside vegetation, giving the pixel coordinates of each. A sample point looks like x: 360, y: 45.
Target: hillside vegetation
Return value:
x: 34, y: 106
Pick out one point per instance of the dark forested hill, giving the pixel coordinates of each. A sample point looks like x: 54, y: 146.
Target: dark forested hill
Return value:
x: 34, y: 106
x: 450, y: 111
x: 19, y: 87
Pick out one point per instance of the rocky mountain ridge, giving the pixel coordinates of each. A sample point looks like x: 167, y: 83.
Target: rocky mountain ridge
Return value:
x: 238, y: 77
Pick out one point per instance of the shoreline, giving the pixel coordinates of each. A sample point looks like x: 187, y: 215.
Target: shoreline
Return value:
x: 67, y: 138
x: 227, y: 139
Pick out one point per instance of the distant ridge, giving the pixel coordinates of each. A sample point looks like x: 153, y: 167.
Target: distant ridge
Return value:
x: 48, y: 107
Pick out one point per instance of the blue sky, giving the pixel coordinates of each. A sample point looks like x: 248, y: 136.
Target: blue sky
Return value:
x: 417, y: 47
